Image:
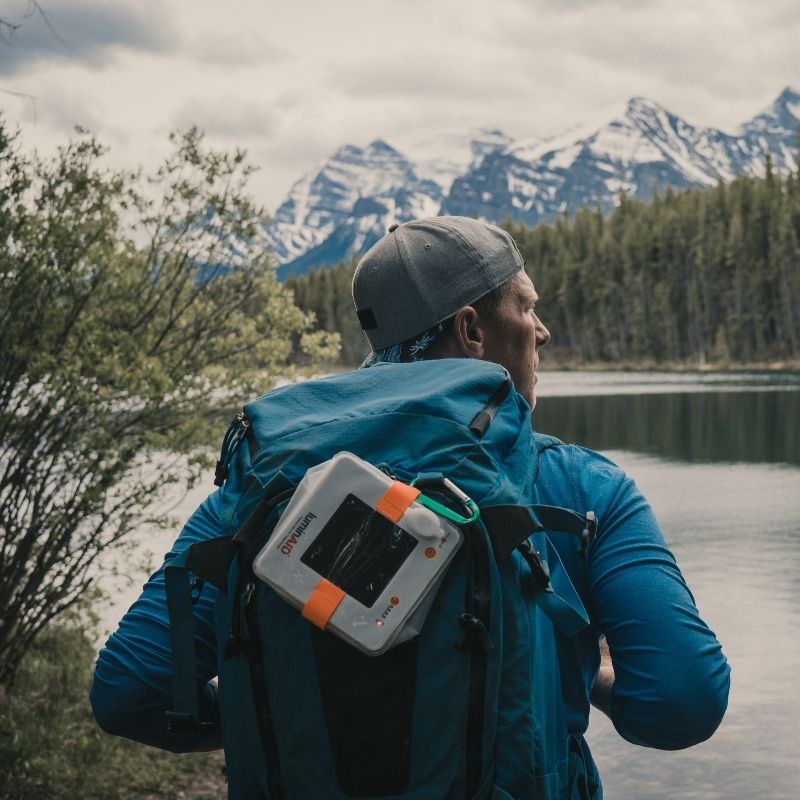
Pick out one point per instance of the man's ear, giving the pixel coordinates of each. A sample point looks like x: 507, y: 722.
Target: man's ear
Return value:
x: 468, y: 334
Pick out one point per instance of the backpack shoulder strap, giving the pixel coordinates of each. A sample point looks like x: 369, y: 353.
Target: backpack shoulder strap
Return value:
x: 513, y: 527
x: 186, y: 709
x: 209, y: 561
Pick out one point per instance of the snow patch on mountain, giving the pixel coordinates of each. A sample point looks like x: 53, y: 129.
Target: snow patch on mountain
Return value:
x: 354, y: 182
x: 442, y: 157
x: 637, y: 146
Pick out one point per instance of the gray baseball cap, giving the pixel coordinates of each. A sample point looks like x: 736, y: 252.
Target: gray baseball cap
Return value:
x: 422, y: 272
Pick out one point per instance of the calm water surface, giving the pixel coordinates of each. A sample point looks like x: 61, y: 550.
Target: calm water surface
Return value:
x: 719, y: 459
x: 718, y: 456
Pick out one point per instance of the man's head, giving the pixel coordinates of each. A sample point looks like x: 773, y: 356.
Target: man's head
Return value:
x: 455, y: 280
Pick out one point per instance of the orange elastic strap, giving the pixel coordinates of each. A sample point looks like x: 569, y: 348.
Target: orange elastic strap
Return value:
x: 396, y: 500
x: 323, y: 602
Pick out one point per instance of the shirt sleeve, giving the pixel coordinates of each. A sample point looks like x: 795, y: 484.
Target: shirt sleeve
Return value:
x: 132, y: 686
x: 671, y: 677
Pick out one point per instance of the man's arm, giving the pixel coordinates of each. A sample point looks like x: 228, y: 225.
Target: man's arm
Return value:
x: 132, y: 687
x: 668, y: 686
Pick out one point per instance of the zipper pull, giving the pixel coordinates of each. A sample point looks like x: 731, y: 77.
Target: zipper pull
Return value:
x: 237, y: 642
x: 196, y: 588
x: 483, y: 419
x: 230, y: 442
x: 473, y: 631
x: 387, y: 470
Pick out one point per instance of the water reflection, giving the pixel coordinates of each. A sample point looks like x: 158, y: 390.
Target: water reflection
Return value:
x: 717, y: 457
x: 559, y: 383
x: 733, y: 529
x: 761, y: 426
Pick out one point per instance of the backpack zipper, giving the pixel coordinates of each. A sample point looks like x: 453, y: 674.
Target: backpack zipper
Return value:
x: 475, y: 632
x: 258, y: 682
x: 248, y: 645
x: 233, y: 436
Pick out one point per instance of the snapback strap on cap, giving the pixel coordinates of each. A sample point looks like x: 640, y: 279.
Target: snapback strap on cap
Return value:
x: 366, y: 318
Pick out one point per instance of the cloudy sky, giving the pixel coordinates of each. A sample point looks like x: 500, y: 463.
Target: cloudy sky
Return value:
x: 292, y: 81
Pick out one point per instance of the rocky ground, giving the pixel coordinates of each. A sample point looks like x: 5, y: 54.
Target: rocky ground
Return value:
x: 206, y: 783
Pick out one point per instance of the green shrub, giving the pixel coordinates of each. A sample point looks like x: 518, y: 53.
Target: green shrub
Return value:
x: 51, y: 747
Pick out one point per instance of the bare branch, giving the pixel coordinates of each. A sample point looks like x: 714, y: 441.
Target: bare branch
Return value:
x: 29, y: 98
x: 8, y: 30
x: 34, y: 8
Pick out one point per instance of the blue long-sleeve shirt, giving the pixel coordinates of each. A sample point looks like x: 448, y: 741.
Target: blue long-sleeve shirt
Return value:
x: 671, y: 678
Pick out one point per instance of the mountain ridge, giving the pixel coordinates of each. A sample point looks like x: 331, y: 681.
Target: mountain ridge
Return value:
x: 638, y: 146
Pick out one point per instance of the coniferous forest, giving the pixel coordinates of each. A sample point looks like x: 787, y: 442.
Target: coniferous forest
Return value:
x: 692, y: 278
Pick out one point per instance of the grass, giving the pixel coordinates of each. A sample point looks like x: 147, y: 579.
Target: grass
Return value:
x: 52, y: 749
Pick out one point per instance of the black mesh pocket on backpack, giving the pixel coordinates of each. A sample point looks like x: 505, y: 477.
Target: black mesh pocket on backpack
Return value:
x: 369, y: 707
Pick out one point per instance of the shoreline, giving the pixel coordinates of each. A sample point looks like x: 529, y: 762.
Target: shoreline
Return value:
x: 547, y: 364
x: 786, y: 365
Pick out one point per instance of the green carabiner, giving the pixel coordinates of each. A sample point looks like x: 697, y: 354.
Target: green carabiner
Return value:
x: 444, y: 511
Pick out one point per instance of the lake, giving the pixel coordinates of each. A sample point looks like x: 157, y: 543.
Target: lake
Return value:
x: 718, y: 456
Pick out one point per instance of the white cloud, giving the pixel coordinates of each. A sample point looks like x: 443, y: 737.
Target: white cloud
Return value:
x: 82, y: 31
x: 228, y: 48
x: 292, y: 82
x: 226, y: 116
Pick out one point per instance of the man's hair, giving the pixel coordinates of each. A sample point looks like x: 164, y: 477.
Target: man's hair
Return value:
x: 427, y: 343
x: 490, y: 303
x: 486, y: 306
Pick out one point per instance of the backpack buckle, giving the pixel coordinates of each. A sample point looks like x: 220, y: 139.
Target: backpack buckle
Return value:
x: 184, y: 722
x: 540, y: 574
x: 589, y: 532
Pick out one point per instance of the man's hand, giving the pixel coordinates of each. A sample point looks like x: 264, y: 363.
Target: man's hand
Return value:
x: 604, y: 682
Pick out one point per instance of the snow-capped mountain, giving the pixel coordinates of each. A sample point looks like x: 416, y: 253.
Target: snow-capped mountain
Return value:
x: 638, y: 146
x: 346, y: 204
x: 348, y: 201
x: 775, y: 130
x: 443, y: 157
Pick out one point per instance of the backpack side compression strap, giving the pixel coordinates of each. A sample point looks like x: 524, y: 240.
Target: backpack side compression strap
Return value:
x: 209, y: 561
x: 510, y: 525
x: 186, y: 711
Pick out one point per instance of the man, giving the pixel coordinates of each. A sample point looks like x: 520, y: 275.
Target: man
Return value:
x: 455, y: 288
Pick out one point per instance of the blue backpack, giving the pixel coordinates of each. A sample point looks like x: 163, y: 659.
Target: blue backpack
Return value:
x: 305, y: 714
